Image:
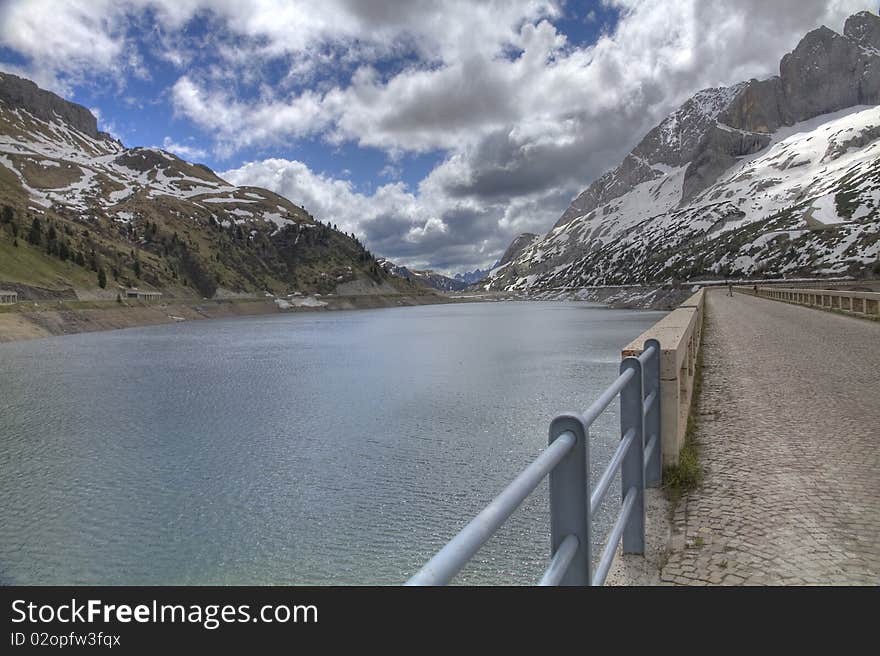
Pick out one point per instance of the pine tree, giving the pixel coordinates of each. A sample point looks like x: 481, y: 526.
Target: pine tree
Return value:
x: 102, y: 278
x: 8, y: 215
x: 35, y: 236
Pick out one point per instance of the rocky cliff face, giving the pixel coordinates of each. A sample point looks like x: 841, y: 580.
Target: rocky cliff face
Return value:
x: 23, y: 94
x: 826, y: 72
x: 670, y: 144
x: 516, y: 248
x: 690, y: 180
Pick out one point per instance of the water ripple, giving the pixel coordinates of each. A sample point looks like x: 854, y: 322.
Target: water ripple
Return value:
x: 339, y: 448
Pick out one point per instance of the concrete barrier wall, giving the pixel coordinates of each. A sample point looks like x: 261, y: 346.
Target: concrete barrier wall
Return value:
x: 679, y: 334
x: 866, y: 304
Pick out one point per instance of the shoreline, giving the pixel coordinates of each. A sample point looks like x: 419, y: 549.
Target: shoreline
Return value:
x: 55, y: 318
x: 58, y: 318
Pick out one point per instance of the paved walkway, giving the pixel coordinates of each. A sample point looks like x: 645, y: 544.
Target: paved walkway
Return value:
x: 790, y: 444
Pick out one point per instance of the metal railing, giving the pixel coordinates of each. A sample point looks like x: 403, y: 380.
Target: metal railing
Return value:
x: 860, y: 303
x: 572, y: 503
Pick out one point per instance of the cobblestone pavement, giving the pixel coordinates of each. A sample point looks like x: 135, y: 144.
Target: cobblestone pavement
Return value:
x: 789, y: 438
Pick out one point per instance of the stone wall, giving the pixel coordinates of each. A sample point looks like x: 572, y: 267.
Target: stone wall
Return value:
x: 679, y: 334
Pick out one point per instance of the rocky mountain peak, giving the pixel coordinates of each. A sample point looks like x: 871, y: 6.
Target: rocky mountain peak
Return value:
x: 153, y: 160
x: 675, y: 140
x: 20, y: 93
x: 471, y: 277
x: 863, y: 27
x: 151, y: 218
x: 517, y: 246
x: 826, y: 72
x: 672, y: 143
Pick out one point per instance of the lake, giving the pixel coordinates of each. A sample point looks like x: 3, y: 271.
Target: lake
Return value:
x: 313, y: 448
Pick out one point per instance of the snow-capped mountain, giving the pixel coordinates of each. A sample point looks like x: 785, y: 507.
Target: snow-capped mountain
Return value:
x: 433, y: 279
x: 149, y: 217
x: 777, y: 177
x: 426, y: 278
x: 61, y: 160
x: 471, y: 277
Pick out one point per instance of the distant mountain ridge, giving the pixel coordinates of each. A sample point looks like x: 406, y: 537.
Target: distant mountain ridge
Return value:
x: 471, y: 277
x: 426, y: 277
x: 776, y: 177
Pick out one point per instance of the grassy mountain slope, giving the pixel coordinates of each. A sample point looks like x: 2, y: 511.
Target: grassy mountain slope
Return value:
x: 85, y: 216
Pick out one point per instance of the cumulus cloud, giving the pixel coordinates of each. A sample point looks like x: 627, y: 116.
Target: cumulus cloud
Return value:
x: 548, y: 94
x: 66, y: 39
x: 239, y: 124
x: 525, y: 118
x: 186, y: 151
x: 426, y: 229
x: 585, y: 108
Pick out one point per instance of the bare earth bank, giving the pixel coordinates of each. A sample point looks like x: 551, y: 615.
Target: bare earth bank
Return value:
x: 46, y: 319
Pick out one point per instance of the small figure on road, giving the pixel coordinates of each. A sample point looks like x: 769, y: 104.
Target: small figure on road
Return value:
x: 729, y: 288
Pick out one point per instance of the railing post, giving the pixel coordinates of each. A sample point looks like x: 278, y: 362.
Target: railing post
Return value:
x: 654, y: 466
x: 569, y: 507
x: 632, y: 469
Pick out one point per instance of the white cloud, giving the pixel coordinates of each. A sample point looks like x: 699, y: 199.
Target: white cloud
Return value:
x: 423, y: 229
x: 188, y: 152
x: 70, y: 37
x: 106, y: 126
x: 329, y: 199
x: 551, y: 94
x: 73, y: 36
x: 237, y: 124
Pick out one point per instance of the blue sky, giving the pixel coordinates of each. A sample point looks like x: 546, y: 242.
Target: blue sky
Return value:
x: 397, y: 119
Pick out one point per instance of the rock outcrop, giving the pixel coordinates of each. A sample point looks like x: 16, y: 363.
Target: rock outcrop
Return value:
x: 24, y: 94
x: 516, y: 247
x: 670, y: 144
x: 826, y: 72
